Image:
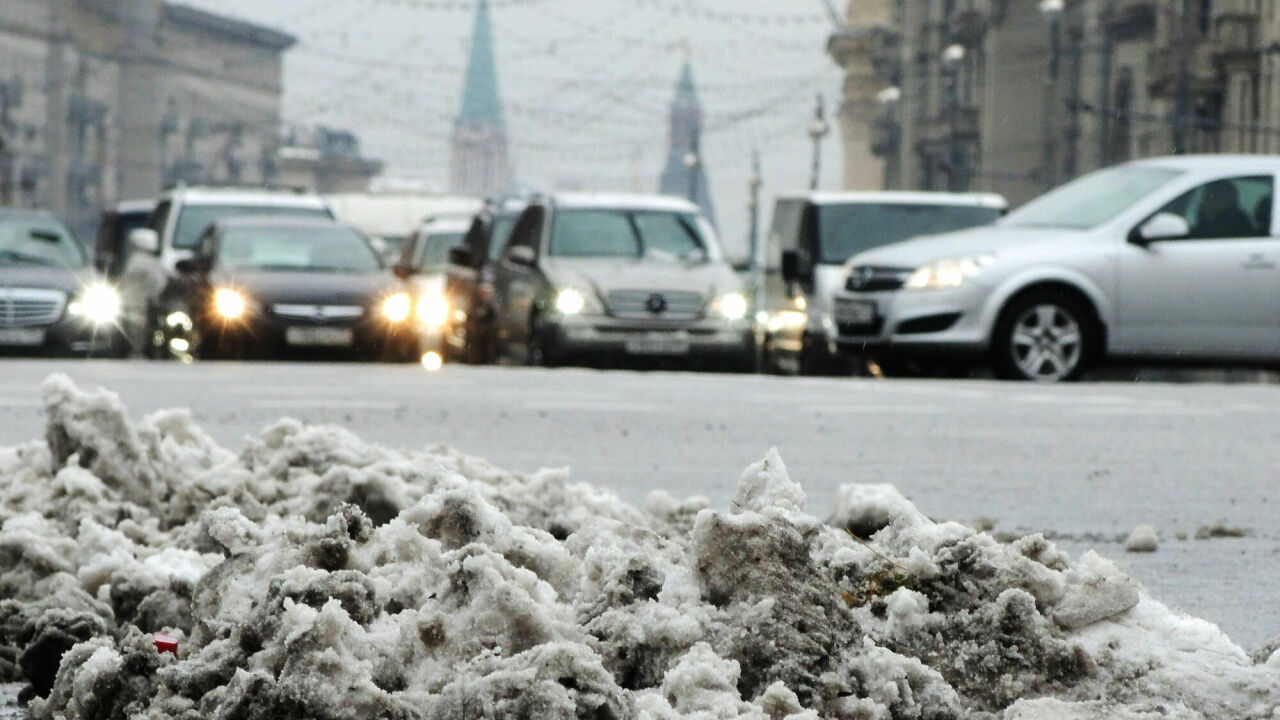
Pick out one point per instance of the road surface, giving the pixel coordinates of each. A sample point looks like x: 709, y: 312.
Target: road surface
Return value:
x: 1082, y: 463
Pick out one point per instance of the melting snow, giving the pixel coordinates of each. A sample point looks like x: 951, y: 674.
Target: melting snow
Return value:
x: 314, y: 575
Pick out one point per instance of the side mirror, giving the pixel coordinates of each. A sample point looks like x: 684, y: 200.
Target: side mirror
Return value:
x: 402, y: 271
x: 793, y: 270
x: 460, y: 256
x: 522, y: 255
x: 1165, y: 226
x: 145, y: 240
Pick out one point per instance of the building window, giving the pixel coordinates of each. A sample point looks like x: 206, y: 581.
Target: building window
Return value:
x: 1204, y: 18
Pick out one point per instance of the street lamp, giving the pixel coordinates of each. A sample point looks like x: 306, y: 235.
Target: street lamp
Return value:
x: 691, y: 162
x: 952, y: 56
x: 1052, y: 11
x: 754, y: 183
x: 818, y: 129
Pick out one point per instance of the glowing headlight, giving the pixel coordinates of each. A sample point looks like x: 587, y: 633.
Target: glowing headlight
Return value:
x: 433, y: 310
x: 100, y: 304
x: 229, y: 303
x: 948, y: 273
x: 397, y: 308
x: 570, y: 301
x: 732, y: 306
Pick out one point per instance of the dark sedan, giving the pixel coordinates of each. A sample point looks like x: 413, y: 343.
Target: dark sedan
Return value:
x: 267, y: 287
x: 51, y: 300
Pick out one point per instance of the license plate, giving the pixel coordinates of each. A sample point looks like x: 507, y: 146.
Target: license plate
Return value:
x: 856, y: 312
x: 319, y: 336
x: 658, y: 344
x: 25, y: 337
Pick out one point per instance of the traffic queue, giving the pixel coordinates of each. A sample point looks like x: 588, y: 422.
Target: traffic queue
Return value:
x: 1161, y: 259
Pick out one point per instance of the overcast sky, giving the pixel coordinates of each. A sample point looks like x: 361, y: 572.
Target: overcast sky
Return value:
x: 585, y: 85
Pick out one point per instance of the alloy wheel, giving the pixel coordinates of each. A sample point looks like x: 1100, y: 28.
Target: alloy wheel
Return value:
x: 1047, y: 343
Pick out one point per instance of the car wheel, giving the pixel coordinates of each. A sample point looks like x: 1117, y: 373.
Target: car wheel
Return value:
x: 1044, y: 336
x: 540, y: 347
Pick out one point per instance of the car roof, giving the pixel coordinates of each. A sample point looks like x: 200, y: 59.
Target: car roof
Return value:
x: 896, y: 197
x: 623, y: 201
x: 1203, y: 163
x: 134, y: 206
x: 12, y: 213
x: 247, y: 196
x: 450, y: 225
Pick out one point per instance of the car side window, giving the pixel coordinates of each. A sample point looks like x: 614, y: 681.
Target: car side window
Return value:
x: 1228, y: 208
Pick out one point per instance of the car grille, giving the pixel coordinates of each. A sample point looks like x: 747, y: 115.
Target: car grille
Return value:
x: 21, y: 307
x: 318, y: 313
x: 656, y: 304
x: 871, y: 278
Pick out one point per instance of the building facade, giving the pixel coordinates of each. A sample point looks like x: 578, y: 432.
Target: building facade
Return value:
x: 480, y: 154
x: 853, y: 47
x: 1018, y: 96
x: 685, y: 173
x: 324, y: 160
x: 102, y: 100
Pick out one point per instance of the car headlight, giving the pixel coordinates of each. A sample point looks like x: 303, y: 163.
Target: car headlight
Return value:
x: 948, y: 272
x: 98, y: 303
x: 732, y: 306
x: 397, y: 308
x: 433, y: 310
x: 229, y: 303
x: 570, y: 301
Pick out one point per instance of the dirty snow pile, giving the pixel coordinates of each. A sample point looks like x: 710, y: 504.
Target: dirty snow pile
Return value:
x: 314, y: 575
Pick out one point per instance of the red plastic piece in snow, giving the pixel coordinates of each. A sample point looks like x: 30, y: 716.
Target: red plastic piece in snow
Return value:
x: 165, y: 643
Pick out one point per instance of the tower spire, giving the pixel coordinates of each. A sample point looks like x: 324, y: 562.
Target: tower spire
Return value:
x: 479, y: 155
x: 685, y: 173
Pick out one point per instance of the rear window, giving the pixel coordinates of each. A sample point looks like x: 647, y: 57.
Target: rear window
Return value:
x: 848, y: 229
x: 195, y: 219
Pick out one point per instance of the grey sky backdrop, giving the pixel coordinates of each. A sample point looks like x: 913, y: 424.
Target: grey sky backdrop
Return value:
x: 585, y: 86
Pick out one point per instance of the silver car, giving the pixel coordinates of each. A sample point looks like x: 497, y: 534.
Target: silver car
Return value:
x: 613, y: 276
x: 1171, y: 258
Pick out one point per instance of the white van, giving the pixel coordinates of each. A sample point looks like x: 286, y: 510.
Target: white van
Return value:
x: 171, y: 235
x: 811, y: 237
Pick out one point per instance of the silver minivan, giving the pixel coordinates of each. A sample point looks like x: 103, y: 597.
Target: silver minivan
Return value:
x: 1173, y: 258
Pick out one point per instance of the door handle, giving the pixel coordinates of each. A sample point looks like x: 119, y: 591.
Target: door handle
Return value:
x: 1258, y: 262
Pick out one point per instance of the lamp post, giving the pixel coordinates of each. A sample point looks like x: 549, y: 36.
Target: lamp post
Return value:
x: 754, y: 182
x: 952, y: 56
x: 818, y: 129
x: 1052, y: 12
x: 692, y: 162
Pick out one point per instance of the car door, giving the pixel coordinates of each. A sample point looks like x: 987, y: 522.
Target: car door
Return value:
x: 1214, y: 293
x: 517, y: 279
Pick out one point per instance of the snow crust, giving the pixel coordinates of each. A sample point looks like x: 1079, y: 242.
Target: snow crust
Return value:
x: 314, y: 575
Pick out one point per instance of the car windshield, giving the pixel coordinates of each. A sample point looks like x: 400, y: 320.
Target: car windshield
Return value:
x: 433, y: 256
x: 309, y: 249
x: 502, y: 227
x: 846, y: 229
x: 195, y: 219
x: 1093, y: 199
x: 671, y: 236
x: 35, y: 241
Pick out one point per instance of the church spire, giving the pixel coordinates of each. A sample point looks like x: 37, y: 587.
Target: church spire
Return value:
x: 480, y: 102
x: 479, y: 161
x: 685, y: 174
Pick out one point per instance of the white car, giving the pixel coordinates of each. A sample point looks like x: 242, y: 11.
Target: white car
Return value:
x: 1172, y: 258
x: 172, y: 234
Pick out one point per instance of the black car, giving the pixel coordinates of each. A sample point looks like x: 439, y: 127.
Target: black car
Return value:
x: 260, y: 287
x: 51, y: 300
x: 471, y: 334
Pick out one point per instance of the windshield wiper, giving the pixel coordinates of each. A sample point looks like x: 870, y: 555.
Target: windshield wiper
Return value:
x: 16, y: 256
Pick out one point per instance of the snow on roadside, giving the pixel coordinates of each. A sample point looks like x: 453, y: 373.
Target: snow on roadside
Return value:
x: 314, y: 575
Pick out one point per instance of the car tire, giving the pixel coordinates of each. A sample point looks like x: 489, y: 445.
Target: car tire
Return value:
x: 540, y: 349
x: 1045, y: 336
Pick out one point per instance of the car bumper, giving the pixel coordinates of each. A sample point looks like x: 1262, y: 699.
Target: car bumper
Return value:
x: 276, y: 336
x: 69, y: 336
x: 587, y: 336
x: 916, y: 320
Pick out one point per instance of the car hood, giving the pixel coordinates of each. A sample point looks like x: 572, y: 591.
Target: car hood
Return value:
x: 310, y: 288
x: 68, y: 280
x: 973, y: 241
x: 606, y: 275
